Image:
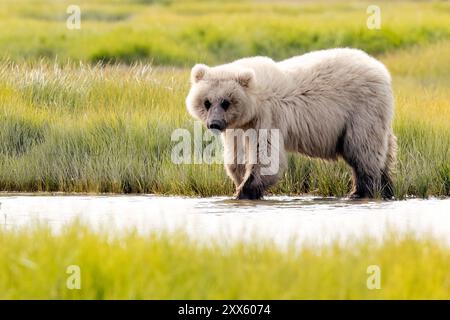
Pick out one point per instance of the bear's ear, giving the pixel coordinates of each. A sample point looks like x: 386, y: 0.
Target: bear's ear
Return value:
x: 198, y: 72
x: 246, y: 78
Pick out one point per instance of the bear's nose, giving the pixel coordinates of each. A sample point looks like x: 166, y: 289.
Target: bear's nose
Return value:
x: 216, y: 125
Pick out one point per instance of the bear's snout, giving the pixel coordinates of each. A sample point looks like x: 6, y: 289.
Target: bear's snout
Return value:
x: 216, y: 118
x: 216, y: 125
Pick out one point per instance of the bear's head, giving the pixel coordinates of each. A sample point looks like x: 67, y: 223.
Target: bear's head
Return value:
x: 222, y: 97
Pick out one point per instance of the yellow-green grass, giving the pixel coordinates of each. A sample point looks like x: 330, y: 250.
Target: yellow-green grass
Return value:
x: 72, y: 126
x: 34, y: 263
x: 81, y: 128
x: 180, y: 32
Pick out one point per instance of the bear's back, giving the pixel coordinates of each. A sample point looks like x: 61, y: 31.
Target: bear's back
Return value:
x: 267, y: 72
x: 340, y: 61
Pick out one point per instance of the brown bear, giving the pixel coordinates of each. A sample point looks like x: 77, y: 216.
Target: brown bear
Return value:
x: 326, y: 104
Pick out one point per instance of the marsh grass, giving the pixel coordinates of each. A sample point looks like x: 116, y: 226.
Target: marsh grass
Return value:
x: 81, y: 128
x: 33, y: 264
x: 87, y: 126
x: 184, y: 32
x: 93, y: 111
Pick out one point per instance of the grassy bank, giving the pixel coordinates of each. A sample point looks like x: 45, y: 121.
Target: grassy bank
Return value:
x: 180, y: 33
x: 68, y: 124
x: 79, y: 128
x: 34, y: 262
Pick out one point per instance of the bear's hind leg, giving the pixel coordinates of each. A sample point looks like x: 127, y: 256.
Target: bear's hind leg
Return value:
x: 365, y: 185
x: 386, y: 175
x: 366, y: 154
x: 387, y: 185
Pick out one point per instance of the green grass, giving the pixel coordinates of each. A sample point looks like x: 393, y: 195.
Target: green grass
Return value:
x: 92, y: 110
x: 69, y: 124
x: 34, y: 261
x: 82, y: 128
x: 183, y: 32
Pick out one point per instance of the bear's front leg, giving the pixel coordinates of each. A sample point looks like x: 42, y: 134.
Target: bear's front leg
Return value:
x: 247, y: 186
x: 236, y: 172
x: 252, y: 188
x: 255, y: 184
x: 263, y: 165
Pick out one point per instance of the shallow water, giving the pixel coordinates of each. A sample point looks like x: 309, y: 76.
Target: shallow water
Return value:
x: 276, y: 218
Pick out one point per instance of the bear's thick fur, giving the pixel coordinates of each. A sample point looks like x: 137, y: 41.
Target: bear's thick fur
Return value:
x: 326, y: 104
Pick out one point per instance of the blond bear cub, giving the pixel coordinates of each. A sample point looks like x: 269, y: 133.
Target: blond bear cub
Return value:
x: 325, y: 104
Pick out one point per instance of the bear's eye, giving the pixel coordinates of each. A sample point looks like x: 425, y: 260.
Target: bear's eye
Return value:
x: 225, y: 104
x: 207, y: 104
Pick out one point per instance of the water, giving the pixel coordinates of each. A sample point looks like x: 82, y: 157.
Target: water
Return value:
x: 280, y: 219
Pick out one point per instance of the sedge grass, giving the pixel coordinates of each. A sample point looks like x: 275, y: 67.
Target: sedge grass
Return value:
x: 180, y: 32
x: 83, y: 128
x: 34, y: 264
x: 69, y: 124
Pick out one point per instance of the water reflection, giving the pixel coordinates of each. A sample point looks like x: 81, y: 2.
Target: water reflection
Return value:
x: 277, y: 218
